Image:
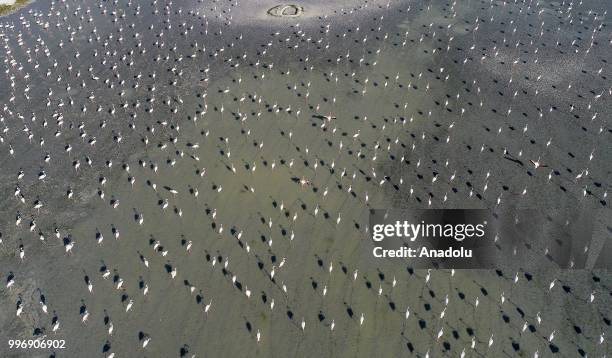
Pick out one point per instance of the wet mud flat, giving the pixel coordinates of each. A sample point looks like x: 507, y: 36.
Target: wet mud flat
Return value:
x: 232, y: 134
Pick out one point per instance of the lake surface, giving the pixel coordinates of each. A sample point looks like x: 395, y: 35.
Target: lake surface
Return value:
x: 261, y: 143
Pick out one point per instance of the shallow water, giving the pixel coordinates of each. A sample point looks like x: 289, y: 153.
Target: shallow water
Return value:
x: 412, y: 109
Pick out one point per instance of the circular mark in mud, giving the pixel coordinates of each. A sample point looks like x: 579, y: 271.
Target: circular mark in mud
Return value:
x: 286, y: 10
